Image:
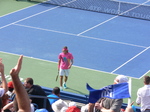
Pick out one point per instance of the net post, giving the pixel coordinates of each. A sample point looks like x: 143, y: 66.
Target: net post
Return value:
x: 119, y: 7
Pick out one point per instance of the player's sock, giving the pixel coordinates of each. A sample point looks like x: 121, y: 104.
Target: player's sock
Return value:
x: 61, y: 88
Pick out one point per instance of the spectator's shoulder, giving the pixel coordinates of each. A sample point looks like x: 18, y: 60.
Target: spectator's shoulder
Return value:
x: 39, y: 90
x: 37, y: 87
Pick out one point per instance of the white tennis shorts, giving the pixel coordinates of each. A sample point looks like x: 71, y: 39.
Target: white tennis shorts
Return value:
x: 64, y: 72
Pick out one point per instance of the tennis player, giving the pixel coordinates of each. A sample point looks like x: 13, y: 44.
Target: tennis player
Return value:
x: 64, y: 64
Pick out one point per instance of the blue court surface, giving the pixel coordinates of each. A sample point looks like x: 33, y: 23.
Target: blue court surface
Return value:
x: 98, y: 41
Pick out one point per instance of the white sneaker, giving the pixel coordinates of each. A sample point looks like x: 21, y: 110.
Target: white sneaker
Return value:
x: 64, y: 85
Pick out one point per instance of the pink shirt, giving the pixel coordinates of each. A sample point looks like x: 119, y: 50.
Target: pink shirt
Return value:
x: 65, y: 60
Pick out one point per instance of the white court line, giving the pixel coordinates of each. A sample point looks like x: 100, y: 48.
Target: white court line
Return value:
x: 44, y: 29
x: 144, y: 74
x: 34, y: 15
x: 111, y: 18
x: 114, y: 41
x: 97, y: 25
x: 29, y: 17
x: 81, y: 36
x: 130, y: 59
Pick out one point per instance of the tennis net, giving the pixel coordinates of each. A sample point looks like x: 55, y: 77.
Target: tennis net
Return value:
x: 134, y: 10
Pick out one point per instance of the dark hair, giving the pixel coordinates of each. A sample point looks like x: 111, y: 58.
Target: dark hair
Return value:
x: 146, y: 79
x: 56, y: 90
x: 29, y: 80
x: 10, y: 89
x: 65, y: 47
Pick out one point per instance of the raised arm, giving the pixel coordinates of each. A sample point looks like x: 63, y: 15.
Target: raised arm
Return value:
x: 4, y: 83
x: 21, y: 94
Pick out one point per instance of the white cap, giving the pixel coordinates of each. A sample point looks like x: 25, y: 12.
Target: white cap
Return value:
x: 58, y: 105
x: 64, y: 109
x: 72, y: 104
x: 122, y: 78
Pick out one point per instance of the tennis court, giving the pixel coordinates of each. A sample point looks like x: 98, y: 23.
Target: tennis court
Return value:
x: 103, y: 45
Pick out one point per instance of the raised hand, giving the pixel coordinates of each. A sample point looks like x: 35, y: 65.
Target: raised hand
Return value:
x: 1, y: 66
x: 17, y: 68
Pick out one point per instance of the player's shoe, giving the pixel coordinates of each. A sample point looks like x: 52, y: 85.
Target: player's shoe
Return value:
x: 64, y: 85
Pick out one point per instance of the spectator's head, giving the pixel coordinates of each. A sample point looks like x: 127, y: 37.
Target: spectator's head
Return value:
x: 146, y: 80
x: 10, y: 86
x: 28, y: 83
x: 65, y: 49
x: 56, y: 91
x: 120, y: 79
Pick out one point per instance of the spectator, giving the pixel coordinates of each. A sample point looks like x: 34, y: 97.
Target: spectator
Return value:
x: 36, y: 90
x: 143, y: 95
x: 107, y: 104
x: 9, y: 95
x: 3, y: 88
x: 5, y: 99
x: 10, y: 88
x: 64, y: 64
x: 10, y: 107
x: 72, y: 107
x: 10, y: 91
x: 130, y: 108
x: 99, y: 107
x: 58, y: 105
x: 21, y: 94
x: 84, y: 108
x: 55, y: 94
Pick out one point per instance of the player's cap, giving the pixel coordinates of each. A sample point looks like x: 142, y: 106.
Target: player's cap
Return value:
x: 65, y: 49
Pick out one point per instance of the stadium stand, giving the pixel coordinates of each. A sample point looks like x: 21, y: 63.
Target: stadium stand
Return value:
x: 82, y: 99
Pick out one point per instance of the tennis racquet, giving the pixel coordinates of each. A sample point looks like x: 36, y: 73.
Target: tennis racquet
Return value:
x: 57, y: 76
